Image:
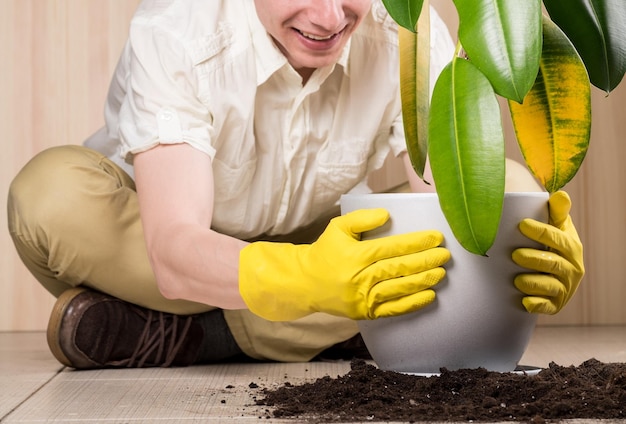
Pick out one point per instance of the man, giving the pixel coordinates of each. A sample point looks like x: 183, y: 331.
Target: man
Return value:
x: 196, y: 225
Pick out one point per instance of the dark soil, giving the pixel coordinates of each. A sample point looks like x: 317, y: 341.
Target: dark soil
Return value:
x: 591, y: 390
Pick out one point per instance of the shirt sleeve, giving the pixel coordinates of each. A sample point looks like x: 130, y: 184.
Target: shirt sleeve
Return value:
x: 161, y: 105
x: 441, y: 53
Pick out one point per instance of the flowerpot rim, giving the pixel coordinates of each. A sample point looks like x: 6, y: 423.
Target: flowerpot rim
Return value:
x: 541, y: 194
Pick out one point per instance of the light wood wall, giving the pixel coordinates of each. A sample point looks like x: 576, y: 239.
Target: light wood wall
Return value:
x: 58, y: 57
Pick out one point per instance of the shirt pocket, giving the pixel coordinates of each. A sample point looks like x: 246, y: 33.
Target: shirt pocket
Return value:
x: 230, y: 182
x: 341, y: 166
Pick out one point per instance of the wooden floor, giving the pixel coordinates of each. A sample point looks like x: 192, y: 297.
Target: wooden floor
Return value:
x: 35, y: 388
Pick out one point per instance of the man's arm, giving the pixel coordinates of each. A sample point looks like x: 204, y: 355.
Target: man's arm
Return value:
x: 190, y: 261
x: 338, y: 274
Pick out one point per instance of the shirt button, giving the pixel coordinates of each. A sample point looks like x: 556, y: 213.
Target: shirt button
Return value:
x: 166, y: 115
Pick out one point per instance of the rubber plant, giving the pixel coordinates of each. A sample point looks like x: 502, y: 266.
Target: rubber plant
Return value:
x: 542, y: 64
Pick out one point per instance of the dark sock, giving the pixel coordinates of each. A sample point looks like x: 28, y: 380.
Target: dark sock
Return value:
x: 218, y: 343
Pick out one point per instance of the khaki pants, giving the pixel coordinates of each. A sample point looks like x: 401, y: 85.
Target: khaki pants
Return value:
x: 74, y: 218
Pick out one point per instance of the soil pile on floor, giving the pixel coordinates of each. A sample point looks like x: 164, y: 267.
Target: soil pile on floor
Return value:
x: 590, y: 390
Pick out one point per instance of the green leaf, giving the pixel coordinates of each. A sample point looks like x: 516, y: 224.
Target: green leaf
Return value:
x: 415, y: 90
x: 503, y: 39
x: 467, y: 155
x: 404, y: 12
x: 554, y: 122
x: 597, y: 28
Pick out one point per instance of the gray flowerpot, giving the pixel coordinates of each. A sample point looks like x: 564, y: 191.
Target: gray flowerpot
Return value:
x: 477, y: 319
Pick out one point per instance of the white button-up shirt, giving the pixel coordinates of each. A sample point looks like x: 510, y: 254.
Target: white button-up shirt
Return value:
x: 207, y: 73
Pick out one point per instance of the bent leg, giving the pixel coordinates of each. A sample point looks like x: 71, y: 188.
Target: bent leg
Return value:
x: 74, y: 218
x: 292, y: 341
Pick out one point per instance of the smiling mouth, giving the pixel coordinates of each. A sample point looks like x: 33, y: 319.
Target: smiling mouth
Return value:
x: 317, y: 37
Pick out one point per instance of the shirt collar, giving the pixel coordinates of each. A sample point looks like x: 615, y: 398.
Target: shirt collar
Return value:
x: 268, y: 57
x: 343, y: 58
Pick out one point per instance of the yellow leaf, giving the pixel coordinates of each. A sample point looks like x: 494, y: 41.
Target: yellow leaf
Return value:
x: 553, y: 123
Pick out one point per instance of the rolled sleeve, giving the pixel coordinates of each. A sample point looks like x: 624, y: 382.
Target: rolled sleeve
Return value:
x: 161, y: 105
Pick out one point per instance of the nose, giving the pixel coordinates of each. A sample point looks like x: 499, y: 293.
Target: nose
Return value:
x: 327, y: 14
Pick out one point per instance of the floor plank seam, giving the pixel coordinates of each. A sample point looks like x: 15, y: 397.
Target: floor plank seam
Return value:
x: 37, y: 390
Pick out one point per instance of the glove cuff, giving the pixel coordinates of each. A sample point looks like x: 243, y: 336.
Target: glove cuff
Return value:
x: 265, y: 281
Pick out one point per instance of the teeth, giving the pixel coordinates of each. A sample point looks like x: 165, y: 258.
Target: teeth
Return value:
x: 316, y: 37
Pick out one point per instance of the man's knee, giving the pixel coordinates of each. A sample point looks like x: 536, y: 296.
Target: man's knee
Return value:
x: 50, y: 185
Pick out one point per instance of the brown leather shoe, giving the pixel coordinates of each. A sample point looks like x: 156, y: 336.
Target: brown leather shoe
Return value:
x: 353, y: 348
x: 89, y: 329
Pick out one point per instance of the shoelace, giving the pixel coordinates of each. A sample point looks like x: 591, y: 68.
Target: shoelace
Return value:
x: 165, y: 340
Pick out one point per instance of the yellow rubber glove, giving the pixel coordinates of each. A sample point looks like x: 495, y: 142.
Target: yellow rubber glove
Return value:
x: 342, y: 275
x: 560, y: 267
